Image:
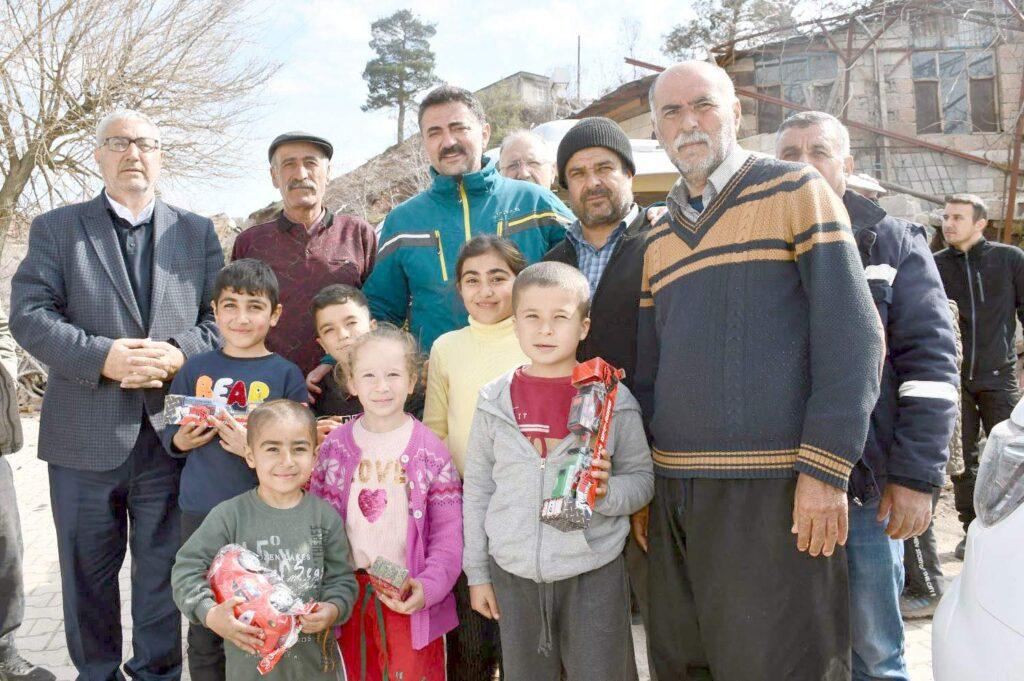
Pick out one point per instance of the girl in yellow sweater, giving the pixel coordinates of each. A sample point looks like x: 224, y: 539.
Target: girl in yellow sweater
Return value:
x: 462, y: 362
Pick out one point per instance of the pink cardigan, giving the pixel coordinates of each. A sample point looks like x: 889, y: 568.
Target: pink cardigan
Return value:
x: 434, y: 540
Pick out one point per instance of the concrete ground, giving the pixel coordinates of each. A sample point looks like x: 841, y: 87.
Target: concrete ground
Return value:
x: 41, y: 636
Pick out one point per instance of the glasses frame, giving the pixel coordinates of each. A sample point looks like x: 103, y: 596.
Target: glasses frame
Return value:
x: 141, y: 143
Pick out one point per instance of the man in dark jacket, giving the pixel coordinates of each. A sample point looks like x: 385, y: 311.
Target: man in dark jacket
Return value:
x: 906, y: 450
x: 13, y: 667
x: 986, y: 280
x: 606, y: 243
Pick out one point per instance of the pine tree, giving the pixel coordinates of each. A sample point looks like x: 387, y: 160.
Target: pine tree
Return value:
x: 404, y: 64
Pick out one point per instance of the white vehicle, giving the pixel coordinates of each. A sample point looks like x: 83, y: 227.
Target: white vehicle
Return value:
x: 978, y: 628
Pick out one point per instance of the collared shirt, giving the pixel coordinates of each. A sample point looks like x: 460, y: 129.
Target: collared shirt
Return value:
x: 126, y: 213
x: 679, y: 196
x: 592, y: 261
x: 135, y: 237
x: 339, y: 249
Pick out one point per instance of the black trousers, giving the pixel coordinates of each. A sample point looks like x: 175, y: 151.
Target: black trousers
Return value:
x: 981, y: 406
x: 731, y: 598
x: 473, y: 647
x: 98, y: 515
x: 205, y: 648
x: 921, y: 560
x: 12, y: 586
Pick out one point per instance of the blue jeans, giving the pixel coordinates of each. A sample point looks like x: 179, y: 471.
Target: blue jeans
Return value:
x: 876, y: 581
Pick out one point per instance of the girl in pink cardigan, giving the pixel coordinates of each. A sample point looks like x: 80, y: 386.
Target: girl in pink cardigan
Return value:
x: 394, y: 484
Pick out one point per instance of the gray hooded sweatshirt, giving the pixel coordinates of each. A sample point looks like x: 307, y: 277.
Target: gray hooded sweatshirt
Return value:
x: 506, y: 481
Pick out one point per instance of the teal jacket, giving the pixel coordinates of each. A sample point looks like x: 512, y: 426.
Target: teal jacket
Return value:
x: 420, y: 241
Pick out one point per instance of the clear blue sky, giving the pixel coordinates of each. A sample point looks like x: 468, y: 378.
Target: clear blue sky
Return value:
x: 323, y: 46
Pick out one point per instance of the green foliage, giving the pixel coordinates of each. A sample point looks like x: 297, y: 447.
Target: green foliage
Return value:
x: 404, y: 65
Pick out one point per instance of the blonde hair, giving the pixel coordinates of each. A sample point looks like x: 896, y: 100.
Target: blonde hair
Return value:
x: 414, y: 358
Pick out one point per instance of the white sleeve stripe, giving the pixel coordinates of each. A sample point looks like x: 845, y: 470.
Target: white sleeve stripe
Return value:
x: 886, y: 273
x: 934, y: 389
x: 399, y: 237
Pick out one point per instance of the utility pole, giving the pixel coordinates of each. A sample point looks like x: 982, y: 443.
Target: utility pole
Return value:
x: 579, y: 68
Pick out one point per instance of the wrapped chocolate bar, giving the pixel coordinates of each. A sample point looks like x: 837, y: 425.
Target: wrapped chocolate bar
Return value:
x: 389, y: 579
x: 572, y: 500
x: 269, y: 602
x: 182, y: 410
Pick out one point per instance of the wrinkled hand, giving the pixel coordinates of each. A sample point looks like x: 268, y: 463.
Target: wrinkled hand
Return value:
x: 820, y: 518
x: 313, y: 378
x: 909, y: 511
x: 654, y: 213
x: 192, y: 436
x: 602, y: 475
x: 120, y: 358
x: 221, y: 621
x: 638, y: 524
x: 150, y: 364
x: 483, y: 600
x: 232, y: 433
x: 322, y: 616
x: 325, y: 425
x: 414, y: 601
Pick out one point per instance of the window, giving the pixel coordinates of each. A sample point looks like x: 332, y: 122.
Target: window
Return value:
x: 804, y: 79
x: 954, y: 91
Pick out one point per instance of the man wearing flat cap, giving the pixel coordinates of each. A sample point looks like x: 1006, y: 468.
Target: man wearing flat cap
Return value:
x: 307, y: 246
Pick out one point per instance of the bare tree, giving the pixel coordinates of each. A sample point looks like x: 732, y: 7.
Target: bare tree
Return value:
x: 66, y: 63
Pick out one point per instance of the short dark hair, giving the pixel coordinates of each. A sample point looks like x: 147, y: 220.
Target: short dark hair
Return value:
x: 489, y: 243
x: 337, y: 294
x: 449, y: 94
x: 248, y: 275
x: 278, y: 410
x: 552, y: 274
x: 980, y: 209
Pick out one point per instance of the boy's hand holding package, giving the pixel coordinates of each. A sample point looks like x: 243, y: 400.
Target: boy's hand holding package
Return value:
x: 320, y: 617
x: 193, y: 435
x: 221, y: 620
x: 232, y: 433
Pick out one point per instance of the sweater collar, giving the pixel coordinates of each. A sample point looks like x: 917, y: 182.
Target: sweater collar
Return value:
x: 496, y: 331
x: 482, y: 181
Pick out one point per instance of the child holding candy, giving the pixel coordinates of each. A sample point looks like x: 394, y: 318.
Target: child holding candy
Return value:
x: 293, y: 533
x: 561, y: 596
x: 393, y: 483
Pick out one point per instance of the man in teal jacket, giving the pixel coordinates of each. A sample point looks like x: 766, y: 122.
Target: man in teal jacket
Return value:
x: 420, y: 240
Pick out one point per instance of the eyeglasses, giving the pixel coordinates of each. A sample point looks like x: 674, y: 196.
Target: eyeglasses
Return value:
x: 514, y: 166
x: 144, y: 144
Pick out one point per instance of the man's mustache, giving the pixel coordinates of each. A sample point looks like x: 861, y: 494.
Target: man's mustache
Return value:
x: 685, y: 138
x: 597, y: 192
x: 454, y: 149
x: 301, y: 184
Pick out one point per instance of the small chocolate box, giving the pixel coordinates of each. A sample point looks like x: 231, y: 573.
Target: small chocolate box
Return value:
x: 389, y: 579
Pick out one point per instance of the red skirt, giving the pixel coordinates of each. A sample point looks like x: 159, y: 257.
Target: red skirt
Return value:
x: 376, y: 643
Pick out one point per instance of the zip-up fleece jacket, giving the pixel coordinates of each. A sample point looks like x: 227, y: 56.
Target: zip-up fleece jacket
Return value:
x: 911, y: 424
x: 419, y: 244
x: 507, y: 480
x: 987, y: 284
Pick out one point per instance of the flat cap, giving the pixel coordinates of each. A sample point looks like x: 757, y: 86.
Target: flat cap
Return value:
x: 299, y: 136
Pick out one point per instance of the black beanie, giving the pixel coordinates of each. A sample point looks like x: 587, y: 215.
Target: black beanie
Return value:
x: 594, y: 132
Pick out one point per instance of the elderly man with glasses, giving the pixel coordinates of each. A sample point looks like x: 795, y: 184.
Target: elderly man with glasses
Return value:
x: 113, y: 295
x: 525, y: 155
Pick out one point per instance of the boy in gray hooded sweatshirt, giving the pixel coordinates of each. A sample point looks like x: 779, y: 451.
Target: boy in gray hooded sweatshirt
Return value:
x: 563, y: 595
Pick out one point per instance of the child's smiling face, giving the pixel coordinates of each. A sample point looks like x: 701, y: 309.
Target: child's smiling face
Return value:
x: 486, y: 287
x: 380, y: 377
x: 339, y: 324
x: 282, y: 453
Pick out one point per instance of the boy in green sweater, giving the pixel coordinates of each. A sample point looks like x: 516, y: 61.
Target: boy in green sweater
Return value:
x: 295, y: 534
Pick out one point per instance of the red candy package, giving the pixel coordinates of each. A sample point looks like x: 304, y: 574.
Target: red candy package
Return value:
x: 269, y: 602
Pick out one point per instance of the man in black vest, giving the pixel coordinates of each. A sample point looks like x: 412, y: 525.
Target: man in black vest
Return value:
x: 606, y: 243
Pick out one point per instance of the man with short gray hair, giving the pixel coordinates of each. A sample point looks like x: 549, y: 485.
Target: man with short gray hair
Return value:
x: 525, y: 155
x: 904, y: 459
x: 113, y: 295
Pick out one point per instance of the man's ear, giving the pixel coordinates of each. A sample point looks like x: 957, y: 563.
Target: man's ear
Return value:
x: 848, y: 165
x: 373, y: 324
x: 486, y: 132
x: 273, y: 178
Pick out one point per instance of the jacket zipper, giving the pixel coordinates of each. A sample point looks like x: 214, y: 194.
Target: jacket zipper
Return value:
x: 540, y: 526
x: 465, y: 209
x: 440, y: 255
x: 981, y: 287
x: 974, y: 315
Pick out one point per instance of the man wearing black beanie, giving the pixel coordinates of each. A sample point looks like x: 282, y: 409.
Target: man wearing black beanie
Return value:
x: 606, y: 243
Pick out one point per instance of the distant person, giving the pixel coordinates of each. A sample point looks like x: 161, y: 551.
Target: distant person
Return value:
x: 525, y: 155
x: 986, y: 280
x: 413, y: 280
x: 13, y: 666
x: 113, y: 296
x: 307, y: 245
x: 904, y: 459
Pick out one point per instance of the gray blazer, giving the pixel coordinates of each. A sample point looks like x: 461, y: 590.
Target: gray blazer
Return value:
x: 70, y: 299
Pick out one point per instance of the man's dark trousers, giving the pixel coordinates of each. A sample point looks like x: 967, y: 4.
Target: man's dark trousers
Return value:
x: 985, y: 403
x: 731, y: 597
x: 12, y: 590
x: 97, y: 515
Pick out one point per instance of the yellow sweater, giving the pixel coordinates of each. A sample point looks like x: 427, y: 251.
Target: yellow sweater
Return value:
x: 462, y: 362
